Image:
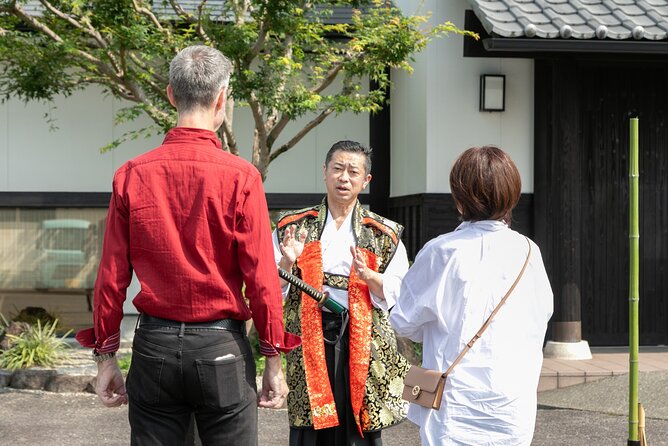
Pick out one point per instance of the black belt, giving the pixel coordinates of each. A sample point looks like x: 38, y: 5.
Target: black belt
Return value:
x: 221, y: 324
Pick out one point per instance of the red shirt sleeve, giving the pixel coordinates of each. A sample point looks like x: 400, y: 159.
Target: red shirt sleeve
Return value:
x: 113, y: 279
x: 256, y: 260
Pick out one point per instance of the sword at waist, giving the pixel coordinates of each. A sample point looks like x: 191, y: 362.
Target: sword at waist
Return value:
x: 323, y: 299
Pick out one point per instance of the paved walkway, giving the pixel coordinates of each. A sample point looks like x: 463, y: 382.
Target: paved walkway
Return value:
x: 594, y: 413
x: 606, y: 362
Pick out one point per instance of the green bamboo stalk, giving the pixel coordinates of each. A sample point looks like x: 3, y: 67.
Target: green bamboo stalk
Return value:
x: 634, y: 289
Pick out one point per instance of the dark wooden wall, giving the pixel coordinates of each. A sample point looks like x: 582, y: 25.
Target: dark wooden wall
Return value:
x: 581, y: 192
x: 426, y: 216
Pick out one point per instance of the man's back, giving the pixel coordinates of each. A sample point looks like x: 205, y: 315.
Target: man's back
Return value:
x: 184, y: 202
x: 192, y: 222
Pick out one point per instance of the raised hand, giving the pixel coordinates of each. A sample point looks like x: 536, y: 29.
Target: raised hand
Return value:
x: 292, y: 245
x: 373, y: 279
x: 359, y: 263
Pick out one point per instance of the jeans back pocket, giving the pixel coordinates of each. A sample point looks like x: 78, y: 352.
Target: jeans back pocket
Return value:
x: 223, y: 381
x: 143, y: 381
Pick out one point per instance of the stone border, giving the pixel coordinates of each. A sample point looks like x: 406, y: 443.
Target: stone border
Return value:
x: 51, y: 380
x: 76, y: 372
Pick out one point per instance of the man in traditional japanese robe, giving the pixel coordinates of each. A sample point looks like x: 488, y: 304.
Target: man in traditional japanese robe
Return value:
x: 346, y: 379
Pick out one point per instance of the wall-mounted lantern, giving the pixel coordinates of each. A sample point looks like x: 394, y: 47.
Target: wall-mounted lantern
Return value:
x: 492, y: 92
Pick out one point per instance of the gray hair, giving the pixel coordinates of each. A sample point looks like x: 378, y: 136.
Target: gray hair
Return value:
x: 354, y: 147
x: 197, y: 74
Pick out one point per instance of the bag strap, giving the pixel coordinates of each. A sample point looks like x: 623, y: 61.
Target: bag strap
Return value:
x: 475, y: 337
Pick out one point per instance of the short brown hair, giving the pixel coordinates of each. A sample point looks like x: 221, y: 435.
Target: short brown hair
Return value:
x: 352, y: 147
x: 485, y: 184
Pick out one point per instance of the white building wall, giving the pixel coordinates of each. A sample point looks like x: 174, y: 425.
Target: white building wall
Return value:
x: 450, y: 104
x: 299, y: 170
x: 63, y: 155
x: 408, y: 130
x: 4, y: 149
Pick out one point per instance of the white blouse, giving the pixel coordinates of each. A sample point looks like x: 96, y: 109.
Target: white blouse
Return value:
x: 337, y: 259
x: 455, y: 283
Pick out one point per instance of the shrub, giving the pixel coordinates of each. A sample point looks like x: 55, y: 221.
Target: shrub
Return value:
x: 32, y: 315
x: 38, y: 346
x: 124, y: 362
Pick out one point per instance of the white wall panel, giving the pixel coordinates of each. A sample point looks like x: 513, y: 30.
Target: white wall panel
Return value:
x: 34, y: 157
x: 451, y: 98
x: 408, y: 109
x: 65, y: 158
x: 4, y: 148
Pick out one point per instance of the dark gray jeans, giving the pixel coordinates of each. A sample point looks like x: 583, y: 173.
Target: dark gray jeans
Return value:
x: 177, y: 372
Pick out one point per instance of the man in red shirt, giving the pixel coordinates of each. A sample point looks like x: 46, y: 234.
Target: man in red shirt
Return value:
x: 191, y: 220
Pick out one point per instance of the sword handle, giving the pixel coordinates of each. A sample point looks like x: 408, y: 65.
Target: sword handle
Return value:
x: 296, y: 281
x: 322, y: 298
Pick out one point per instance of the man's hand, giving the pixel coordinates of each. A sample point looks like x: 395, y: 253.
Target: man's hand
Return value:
x: 274, y: 388
x: 292, y: 246
x: 373, y: 279
x: 109, y: 385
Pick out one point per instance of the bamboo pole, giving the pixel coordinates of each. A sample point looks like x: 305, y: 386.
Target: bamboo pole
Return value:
x: 634, y: 293
x: 641, y: 426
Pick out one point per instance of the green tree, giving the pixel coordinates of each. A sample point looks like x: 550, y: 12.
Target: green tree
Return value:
x: 287, y: 56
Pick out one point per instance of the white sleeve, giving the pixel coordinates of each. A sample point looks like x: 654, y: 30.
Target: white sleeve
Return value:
x: 277, y: 257
x: 392, y: 277
x: 415, y: 306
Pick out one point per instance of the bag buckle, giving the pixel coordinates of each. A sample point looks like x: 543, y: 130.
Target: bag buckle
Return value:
x: 416, y: 390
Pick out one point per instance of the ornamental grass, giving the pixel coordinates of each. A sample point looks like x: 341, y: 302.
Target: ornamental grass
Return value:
x: 39, y: 346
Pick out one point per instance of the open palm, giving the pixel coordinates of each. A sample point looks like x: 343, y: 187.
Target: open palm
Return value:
x: 293, y: 244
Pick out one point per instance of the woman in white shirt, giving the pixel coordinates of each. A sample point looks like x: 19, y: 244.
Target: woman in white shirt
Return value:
x: 454, y: 285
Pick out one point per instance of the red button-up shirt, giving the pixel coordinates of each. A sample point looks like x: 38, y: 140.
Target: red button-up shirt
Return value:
x: 191, y: 220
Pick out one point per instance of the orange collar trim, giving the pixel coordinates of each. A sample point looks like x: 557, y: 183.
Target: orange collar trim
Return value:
x: 292, y: 218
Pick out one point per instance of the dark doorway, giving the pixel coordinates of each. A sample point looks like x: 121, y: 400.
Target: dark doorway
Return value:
x: 587, y: 171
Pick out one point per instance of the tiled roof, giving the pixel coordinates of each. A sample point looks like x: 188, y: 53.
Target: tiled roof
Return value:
x: 576, y: 19
x: 340, y: 14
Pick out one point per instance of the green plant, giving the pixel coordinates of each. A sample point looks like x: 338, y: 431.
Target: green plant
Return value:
x: 32, y: 315
x: 38, y: 346
x: 124, y: 362
x: 417, y: 349
x: 259, y: 364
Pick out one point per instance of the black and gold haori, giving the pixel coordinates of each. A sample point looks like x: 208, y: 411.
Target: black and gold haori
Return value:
x: 377, y: 403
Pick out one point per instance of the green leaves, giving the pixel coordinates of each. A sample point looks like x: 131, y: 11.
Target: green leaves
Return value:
x: 39, y: 346
x: 292, y: 58
x: 34, y: 68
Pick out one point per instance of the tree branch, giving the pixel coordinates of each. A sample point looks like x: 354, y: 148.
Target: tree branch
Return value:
x: 329, y: 78
x: 256, y: 109
x: 257, y: 47
x: 200, y: 29
x: 189, y: 18
x: 278, y: 128
x: 303, y: 132
x: 101, y: 42
x: 44, y: 29
x: 178, y: 9
x: 39, y: 26
x: 149, y: 14
x: 158, y: 81
x: 229, y: 138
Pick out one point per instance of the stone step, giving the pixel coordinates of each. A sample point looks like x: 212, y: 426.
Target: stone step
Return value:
x: 74, y: 373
